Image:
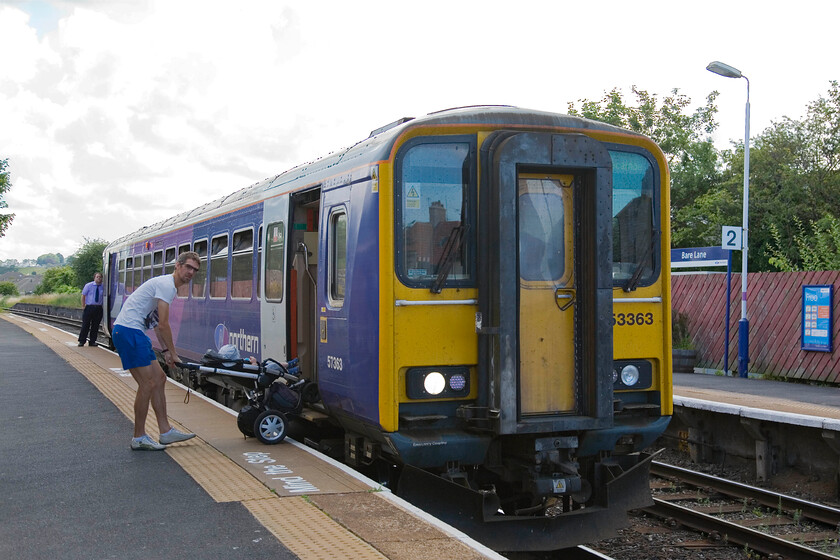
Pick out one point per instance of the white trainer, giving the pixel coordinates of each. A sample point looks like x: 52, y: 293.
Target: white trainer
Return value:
x: 174, y: 436
x: 145, y: 443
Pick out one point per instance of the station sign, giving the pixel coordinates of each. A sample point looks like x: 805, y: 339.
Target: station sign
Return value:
x: 696, y: 257
x: 817, y: 318
x: 730, y: 238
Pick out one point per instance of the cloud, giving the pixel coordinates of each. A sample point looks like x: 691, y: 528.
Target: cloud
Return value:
x: 157, y: 106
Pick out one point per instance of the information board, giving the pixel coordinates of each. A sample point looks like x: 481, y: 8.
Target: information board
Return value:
x: 817, y: 318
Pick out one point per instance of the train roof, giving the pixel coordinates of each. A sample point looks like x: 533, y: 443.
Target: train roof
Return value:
x: 375, y: 147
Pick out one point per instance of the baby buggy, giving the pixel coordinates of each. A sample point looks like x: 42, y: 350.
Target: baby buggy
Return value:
x: 274, y: 391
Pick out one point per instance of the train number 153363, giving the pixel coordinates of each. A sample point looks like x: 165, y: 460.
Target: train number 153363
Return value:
x: 632, y: 319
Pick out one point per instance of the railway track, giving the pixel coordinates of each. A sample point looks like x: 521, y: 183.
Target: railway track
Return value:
x: 58, y: 320
x: 773, y: 525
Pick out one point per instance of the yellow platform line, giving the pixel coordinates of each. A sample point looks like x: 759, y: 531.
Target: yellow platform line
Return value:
x: 308, y: 531
x: 300, y: 525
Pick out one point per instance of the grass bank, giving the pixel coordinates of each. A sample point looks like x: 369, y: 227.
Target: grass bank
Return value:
x: 58, y: 300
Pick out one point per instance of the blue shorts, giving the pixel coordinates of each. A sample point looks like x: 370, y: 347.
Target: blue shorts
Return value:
x: 133, y: 346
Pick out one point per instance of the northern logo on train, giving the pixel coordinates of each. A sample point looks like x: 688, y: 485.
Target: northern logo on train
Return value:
x: 242, y: 340
x: 221, y: 336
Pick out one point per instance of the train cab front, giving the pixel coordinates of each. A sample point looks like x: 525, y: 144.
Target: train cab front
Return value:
x: 554, y: 432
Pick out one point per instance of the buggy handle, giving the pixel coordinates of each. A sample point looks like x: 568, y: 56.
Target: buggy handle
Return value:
x: 247, y: 370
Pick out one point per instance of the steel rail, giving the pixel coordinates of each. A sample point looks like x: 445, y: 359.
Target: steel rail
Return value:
x: 810, y: 510
x: 765, y: 544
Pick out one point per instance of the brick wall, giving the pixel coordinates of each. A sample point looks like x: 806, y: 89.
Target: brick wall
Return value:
x: 774, y: 308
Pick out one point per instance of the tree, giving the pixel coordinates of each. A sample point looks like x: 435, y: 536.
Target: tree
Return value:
x: 87, y: 261
x: 58, y: 280
x: 684, y: 138
x: 5, y: 185
x: 8, y: 289
x: 818, y: 249
x: 794, y: 177
x: 50, y: 259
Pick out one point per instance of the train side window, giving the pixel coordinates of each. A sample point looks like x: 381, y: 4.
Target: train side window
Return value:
x: 138, y: 271
x: 169, y: 261
x: 219, y: 266
x: 200, y: 277
x: 184, y: 290
x: 242, y: 268
x: 147, y: 266
x: 157, y: 263
x: 124, y: 265
x: 337, y: 257
x: 434, y: 211
x: 259, y: 261
x: 275, y: 246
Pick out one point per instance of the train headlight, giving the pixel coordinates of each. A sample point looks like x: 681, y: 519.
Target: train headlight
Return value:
x: 629, y: 375
x: 434, y: 383
x: 632, y: 374
x: 457, y: 382
x: 445, y: 382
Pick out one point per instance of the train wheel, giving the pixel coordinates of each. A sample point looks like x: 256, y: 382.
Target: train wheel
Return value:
x: 270, y: 427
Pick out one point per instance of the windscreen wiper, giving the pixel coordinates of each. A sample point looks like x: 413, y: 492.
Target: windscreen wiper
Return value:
x: 447, y: 257
x: 637, y: 274
x: 456, y: 236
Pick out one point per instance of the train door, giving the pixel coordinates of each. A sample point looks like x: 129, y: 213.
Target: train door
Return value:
x: 274, y: 292
x: 113, y: 294
x: 303, y: 252
x: 548, y: 287
x: 546, y: 292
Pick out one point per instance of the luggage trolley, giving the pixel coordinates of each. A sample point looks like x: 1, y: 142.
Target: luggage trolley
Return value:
x: 274, y: 391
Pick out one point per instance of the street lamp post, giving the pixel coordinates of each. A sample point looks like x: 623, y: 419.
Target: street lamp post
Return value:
x: 743, y: 325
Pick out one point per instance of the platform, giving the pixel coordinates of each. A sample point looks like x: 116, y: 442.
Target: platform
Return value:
x: 781, y: 427
x: 752, y: 395
x: 70, y: 486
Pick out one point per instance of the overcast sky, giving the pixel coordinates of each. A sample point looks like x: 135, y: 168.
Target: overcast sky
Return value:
x: 115, y: 114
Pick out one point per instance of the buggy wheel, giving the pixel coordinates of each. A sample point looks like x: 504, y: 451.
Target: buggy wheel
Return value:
x: 270, y: 427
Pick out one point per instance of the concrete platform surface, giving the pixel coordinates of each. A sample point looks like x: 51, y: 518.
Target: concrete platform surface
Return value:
x: 70, y: 486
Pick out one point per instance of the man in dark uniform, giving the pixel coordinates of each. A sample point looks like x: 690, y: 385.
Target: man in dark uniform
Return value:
x: 92, y: 303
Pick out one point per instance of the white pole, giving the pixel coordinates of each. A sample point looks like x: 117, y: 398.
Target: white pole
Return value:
x: 744, y: 326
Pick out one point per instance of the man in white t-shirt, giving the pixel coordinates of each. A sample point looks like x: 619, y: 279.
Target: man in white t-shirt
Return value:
x: 146, y: 308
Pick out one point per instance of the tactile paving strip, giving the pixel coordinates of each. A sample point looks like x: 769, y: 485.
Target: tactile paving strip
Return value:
x: 223, y: 479
x: 309, y: 532
x: 303, y: 528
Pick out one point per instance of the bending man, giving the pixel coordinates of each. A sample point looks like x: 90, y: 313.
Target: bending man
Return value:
x: 148, y: 307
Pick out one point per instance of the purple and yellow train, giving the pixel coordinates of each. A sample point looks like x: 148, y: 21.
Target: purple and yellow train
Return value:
x: 481, y: 295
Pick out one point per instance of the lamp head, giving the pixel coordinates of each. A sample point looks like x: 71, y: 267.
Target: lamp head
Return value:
x: 724, y: 70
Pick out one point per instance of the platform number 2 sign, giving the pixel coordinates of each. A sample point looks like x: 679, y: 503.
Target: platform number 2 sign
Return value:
x: 731, y: 238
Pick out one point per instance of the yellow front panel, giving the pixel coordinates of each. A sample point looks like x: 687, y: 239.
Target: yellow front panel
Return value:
x: 435, y: 335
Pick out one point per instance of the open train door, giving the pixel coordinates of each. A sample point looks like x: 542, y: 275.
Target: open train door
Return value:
x: 547, y: 219
x: 274, y: 294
